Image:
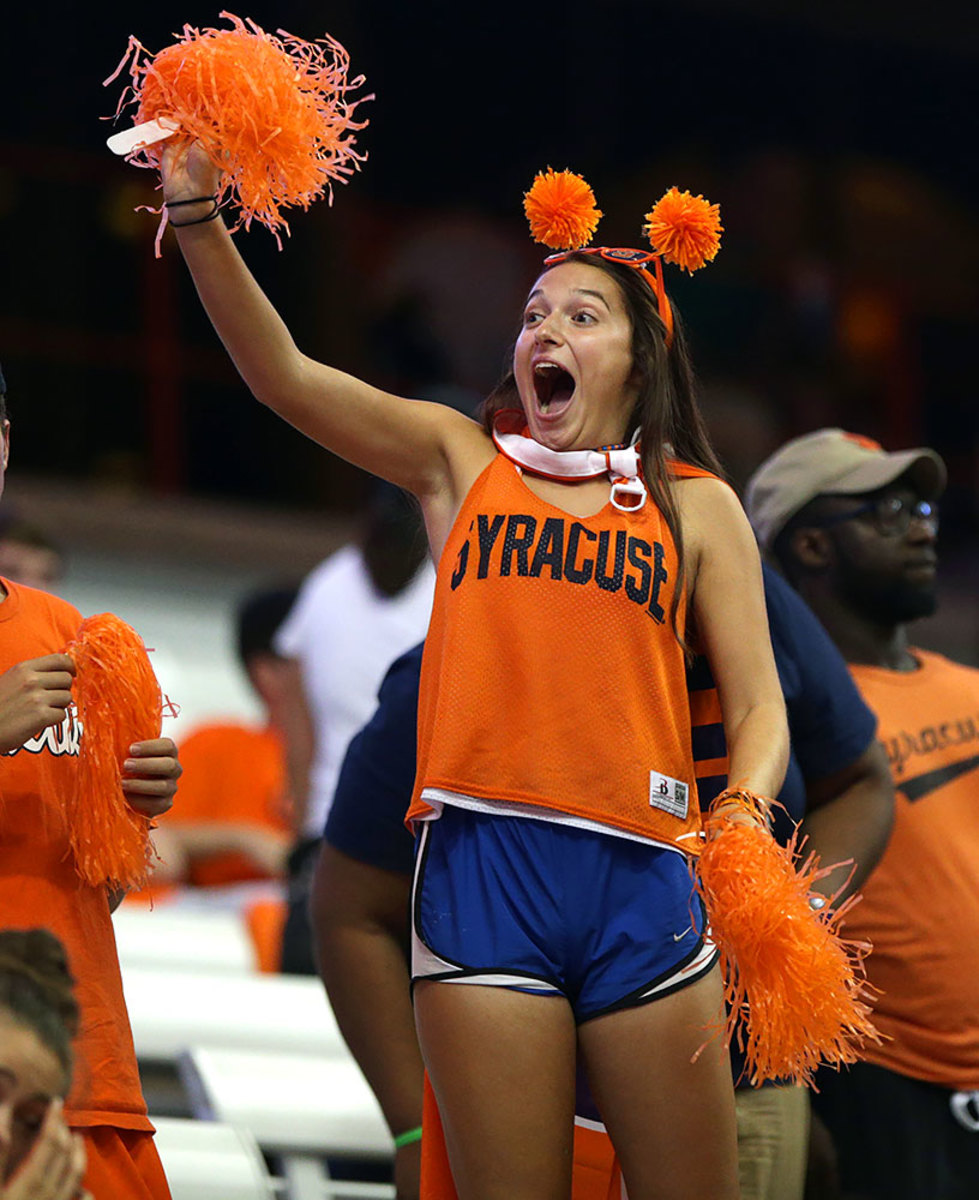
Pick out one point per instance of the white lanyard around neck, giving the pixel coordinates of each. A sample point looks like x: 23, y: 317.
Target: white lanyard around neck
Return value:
x: 620, y: 463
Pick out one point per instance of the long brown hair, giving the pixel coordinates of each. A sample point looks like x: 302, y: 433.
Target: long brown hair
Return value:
x: 666, y: 412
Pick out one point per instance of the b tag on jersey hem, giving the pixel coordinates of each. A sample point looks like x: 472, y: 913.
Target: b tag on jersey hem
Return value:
x: 668, y: 794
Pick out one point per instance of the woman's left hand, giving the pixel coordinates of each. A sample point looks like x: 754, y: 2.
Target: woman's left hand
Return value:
x: 150, y: 775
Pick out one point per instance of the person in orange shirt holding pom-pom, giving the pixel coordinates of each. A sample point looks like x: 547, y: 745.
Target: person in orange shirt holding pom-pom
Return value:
x: 40, y: 880
x: 585, y: 543
x: 554, y: 745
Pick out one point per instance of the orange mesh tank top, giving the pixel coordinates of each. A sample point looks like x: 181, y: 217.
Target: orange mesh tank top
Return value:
x: 552, y: 679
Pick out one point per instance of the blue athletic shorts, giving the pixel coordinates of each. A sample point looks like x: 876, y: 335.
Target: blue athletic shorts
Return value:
x: 553, y: 909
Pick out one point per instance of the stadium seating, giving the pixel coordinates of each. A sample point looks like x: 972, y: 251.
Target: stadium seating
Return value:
x: 205, y: 1160
x: 301, y: 1109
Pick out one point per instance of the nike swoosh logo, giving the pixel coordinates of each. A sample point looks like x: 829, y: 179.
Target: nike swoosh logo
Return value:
x: 678, y: 937
x: 923, y: 785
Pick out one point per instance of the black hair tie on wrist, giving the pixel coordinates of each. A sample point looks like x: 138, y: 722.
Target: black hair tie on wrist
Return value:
x: 215, y: 211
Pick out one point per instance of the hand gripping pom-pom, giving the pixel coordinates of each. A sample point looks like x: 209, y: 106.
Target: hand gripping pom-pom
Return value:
x: 560, y: 207
x: 797, y: 987
x: 273, y: 112
x: 684, y: 229
x: 119, y: 702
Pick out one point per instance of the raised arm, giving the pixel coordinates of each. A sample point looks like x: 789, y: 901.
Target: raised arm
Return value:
x: 420, y: 446
x: 728, y: 607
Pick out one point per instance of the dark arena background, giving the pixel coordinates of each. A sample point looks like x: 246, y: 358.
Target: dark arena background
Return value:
x: 837, y: 140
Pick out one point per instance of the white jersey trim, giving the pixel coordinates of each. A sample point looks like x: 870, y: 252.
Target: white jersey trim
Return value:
x: 437, y: 797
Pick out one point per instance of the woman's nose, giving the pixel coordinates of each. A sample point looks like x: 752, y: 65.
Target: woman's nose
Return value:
x: 545, y: 331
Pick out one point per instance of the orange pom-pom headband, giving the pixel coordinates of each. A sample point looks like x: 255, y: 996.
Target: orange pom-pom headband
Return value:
x: 273, y: 112
x: 681, y: 228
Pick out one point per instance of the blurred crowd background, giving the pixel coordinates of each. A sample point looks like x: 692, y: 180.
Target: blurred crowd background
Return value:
x: 838, y: 139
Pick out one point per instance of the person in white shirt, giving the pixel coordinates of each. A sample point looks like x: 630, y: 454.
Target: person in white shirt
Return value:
x: 355, y: 614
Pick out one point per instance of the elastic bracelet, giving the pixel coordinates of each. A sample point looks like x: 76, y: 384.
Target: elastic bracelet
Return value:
x: 196, y: 200
x: 181, y: 203
x: 750, y: 803
x: 409, y: 1136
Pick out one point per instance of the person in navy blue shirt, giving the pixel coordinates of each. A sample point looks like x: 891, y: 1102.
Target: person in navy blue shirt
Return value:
x: 838, y: 786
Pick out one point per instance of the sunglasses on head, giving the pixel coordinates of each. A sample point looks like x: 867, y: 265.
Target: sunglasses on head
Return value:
x: 639, y: 260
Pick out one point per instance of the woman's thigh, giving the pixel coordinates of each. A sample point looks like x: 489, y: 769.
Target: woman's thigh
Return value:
x: 502, y: 1067
x: 669, y: 1110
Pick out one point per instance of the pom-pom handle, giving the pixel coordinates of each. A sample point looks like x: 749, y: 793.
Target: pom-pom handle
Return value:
x: 148, y: 133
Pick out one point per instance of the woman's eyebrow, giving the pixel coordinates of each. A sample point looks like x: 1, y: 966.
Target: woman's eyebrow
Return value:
x: 597, y: 295
x: 577, y: 291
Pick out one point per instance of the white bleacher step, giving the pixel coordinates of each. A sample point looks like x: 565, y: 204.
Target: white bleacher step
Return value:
x: 207, y: 1160
x: 291, y: 1103
x: 170, y: 1011
x: 175, y: 939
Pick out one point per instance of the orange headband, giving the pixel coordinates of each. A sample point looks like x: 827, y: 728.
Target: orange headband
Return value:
x: 681, y: 228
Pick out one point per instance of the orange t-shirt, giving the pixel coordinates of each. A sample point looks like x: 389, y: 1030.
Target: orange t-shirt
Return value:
x: 552, y: 677
x: 40, y: 887
x: 920, y: 906
x: 231, y: 773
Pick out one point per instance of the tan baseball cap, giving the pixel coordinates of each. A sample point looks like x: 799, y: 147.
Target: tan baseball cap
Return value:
x: 835, y: 463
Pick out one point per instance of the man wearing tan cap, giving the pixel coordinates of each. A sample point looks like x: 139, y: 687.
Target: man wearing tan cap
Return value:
x: 853, y: 528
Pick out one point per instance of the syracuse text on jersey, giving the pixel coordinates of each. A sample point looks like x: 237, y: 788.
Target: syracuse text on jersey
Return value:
x: 565, y: 549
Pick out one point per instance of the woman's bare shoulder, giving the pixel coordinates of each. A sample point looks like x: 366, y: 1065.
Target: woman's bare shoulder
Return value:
x: 705, y: 495
x: 710, y: 511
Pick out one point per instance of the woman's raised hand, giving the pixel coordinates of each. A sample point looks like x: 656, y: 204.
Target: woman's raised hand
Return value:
x: 187, y: 172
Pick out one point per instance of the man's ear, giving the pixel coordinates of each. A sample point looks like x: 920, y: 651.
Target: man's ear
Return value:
x: 270, y: 674
x: 811, y: 548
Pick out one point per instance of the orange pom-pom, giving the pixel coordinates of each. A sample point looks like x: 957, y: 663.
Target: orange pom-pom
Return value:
x: 273, y: 112
x: 797, y: 987
x: 561, y: 210
x: 119, y: 702
x: 684, y: 229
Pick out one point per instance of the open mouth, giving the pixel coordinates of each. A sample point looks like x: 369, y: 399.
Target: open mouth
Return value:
x: 553, y: 386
